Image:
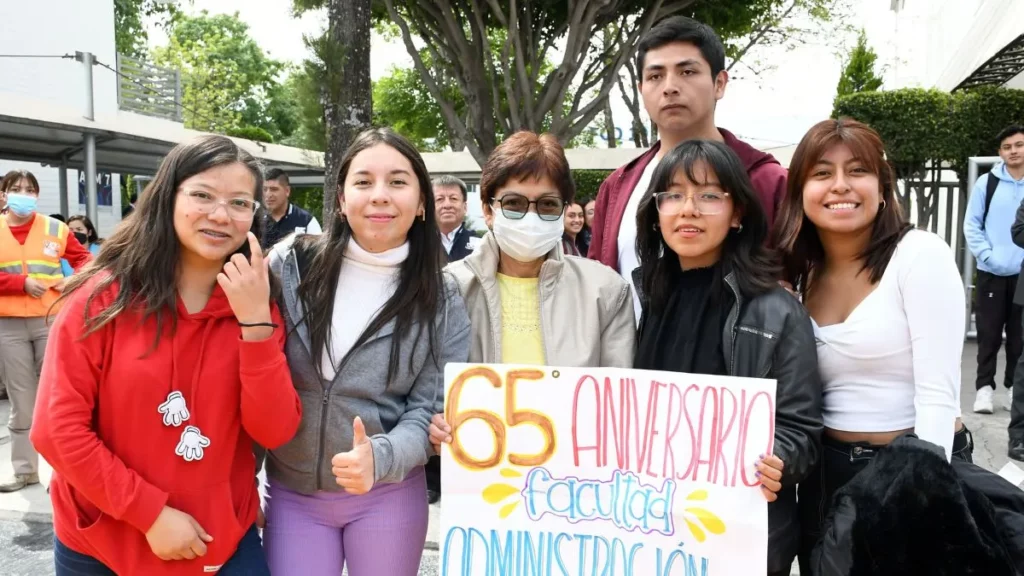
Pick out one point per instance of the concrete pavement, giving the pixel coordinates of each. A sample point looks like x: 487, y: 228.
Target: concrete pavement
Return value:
x: 25, y: 516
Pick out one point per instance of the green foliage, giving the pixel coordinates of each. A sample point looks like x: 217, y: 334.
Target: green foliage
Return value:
x: 310, y: 199
x: 251, y: 133
x: 920, y: 125
x: 859, y: 71
x: 228, y: 81
x: 588, y: 182
x: 130, y: 18
x: 309, y: 132
x: 402, y: 102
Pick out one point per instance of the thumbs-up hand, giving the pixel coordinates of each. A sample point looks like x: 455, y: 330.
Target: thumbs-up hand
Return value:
x: 353, y: 470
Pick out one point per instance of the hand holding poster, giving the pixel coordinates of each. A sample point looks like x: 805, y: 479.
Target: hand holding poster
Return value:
x: 602, y: 472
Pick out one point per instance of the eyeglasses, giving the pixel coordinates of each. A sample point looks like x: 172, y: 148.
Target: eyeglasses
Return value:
x: 237, y: 208
x: 515, y: 206
x: 707, y: 202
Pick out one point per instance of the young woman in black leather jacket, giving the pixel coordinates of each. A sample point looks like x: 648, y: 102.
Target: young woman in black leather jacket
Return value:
x: 712, y: 305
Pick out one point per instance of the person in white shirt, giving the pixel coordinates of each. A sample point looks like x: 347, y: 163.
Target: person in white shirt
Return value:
x: 886, y: 303
x: 450, y: 198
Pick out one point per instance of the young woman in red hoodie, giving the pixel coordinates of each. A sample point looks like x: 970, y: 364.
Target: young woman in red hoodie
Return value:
x: 163, y: 368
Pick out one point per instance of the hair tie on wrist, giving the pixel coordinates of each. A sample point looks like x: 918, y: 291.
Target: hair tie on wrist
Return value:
x: 257, y: 324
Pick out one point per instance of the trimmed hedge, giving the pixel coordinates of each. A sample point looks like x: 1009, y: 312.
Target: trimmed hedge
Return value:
x: 919, y: 125
x: 588, y: 182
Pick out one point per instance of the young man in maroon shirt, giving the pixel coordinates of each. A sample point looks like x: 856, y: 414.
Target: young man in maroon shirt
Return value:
x: 682, y: 76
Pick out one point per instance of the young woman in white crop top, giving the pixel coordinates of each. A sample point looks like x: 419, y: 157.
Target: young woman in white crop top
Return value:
x: 887, y: 305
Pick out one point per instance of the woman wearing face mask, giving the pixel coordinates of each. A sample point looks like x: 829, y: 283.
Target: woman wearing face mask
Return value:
x: 887, y: 304
x: 372, y: 323
x: 86, y: 235
x: 712, y: 305
x: 166, y: 365
x: 573, y: 226
x: 31, y: 281
x: 527, y: 302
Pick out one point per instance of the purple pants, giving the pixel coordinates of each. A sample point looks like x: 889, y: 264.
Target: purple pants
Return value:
x: 378, y: 533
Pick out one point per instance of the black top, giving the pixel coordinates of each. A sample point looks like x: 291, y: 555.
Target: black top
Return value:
x: 686, y: 336
x: 274, y: 231
x: 583, y: 241
x: 460, y: 245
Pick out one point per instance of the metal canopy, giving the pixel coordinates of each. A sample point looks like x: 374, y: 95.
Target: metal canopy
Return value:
x: 37, y: 131
x: 999, y: 69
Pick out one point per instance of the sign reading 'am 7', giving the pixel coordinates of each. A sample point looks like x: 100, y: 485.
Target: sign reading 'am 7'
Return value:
x: 602, y: 472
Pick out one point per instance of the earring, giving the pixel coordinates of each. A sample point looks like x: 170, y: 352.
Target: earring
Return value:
x: 655, y: 226
x: 423, y: 215
x: 882, y: 206
x: 739, y: 228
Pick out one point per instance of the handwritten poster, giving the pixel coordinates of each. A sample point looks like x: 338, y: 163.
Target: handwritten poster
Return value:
x: 603, y: 472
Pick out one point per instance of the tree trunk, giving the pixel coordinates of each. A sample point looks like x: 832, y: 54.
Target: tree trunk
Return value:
x: 609, y: 124
x: 347, y: 96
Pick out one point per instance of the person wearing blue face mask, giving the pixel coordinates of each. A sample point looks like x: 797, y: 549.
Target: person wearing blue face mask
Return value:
x: 31, y: 281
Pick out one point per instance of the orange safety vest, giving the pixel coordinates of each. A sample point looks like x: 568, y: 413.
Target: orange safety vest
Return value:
x: 39, y: 259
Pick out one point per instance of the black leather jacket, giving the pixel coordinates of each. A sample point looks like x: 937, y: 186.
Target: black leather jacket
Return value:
x: 770, y: 336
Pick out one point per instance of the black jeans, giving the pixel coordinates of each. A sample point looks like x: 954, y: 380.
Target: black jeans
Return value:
x: 840, y: 462
x: 994, y: 312
x: 433, y: 470
x: 1016, y: 427
x: 248, y: 560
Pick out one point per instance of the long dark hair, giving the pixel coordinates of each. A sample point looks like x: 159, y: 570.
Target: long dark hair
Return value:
x: 797, y: 237
x: 143, y: 254
x: 420, y: 282
x: 744, y: 252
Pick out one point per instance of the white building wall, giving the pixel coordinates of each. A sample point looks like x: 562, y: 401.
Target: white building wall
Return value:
x: 60, y: 27
x: 928, y: 43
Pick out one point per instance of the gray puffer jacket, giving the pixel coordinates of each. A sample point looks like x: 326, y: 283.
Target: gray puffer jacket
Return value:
x: 395, y: 414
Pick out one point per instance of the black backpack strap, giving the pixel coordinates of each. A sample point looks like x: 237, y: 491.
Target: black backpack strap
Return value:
x: 990, y: 190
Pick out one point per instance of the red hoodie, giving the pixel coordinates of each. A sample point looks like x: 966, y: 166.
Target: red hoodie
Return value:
x: 766, y: 174
x: 115, y: 467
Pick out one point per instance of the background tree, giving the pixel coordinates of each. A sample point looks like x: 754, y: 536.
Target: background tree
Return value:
x: 403, y: 102
x: 130, y: 17
x: 340, y: 68
x: 457, y: 36
x: 304, y: 91
x: 859, y: 71
x: 400, y: 101
x: 229, y: 84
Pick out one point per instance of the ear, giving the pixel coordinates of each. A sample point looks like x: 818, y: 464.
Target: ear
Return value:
x: 737, y: 219
x: 720, y: 83
x: 342, y: 207
x: 488, y: 214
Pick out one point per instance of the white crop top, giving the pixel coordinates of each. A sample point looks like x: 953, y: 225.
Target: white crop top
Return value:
x: 895, y: 362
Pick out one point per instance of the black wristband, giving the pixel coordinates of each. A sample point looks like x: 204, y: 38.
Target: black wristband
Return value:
x: 257, y: 324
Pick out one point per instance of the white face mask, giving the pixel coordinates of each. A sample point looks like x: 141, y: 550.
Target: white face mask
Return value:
x: 529, y: 238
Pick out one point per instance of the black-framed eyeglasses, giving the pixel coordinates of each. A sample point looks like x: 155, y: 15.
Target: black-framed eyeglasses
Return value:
x: 515, y: 206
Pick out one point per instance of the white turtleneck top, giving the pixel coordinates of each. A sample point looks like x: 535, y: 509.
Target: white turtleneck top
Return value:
x: 365, y: 283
